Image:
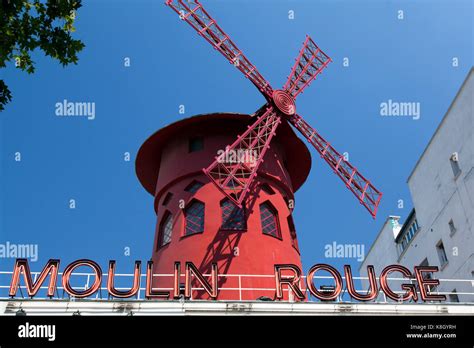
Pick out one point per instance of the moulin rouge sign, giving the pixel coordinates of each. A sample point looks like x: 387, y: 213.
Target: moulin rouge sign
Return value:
x: 286, y: 275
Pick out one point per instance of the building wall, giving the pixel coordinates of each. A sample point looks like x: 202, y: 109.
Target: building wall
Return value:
x: 439, y: 197
x: 383, y: 252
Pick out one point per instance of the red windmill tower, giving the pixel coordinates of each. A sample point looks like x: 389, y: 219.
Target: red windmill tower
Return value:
x: 252, y: 172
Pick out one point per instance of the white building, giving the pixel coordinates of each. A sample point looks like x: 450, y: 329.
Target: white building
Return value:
x: 438, y: 231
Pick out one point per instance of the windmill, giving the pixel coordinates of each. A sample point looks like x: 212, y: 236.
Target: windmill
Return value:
x: 234, y: 178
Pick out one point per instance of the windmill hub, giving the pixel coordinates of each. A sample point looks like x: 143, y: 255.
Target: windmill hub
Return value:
x: 284, y: 102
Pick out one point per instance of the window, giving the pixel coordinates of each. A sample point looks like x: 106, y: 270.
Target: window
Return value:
x: 269, y: 219
x: 452, y: 228
x: 196, y: 144
x: 167, y: 198
x: 291, y: 226
x: 233, y: 217
x: 267, y: 189
x: 408, y: 234
x: 194, y: 186
x: 454, y: 160
x: 166, y: 229
x: 194, y: 215
x: 453, y: 296
x: 443, y: 259
x: 402, y: 245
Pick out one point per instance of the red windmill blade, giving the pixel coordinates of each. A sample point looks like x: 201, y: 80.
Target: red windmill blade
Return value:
x: 234, y: 175
x: 366, y: 193
x: 195, y: 15
x: 309, y: 64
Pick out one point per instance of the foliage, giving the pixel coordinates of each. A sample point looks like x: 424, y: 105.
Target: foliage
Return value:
x: 26, y: 25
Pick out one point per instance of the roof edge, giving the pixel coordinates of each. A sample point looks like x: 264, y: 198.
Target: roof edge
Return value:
x: 441, y: 123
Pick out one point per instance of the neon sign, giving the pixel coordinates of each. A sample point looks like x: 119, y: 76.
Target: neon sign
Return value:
x: 282, y: 279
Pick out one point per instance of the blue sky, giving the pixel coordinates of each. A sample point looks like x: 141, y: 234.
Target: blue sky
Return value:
x: 407, y: 60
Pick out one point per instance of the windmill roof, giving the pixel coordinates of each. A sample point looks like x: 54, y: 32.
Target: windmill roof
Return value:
x: 147, y: 163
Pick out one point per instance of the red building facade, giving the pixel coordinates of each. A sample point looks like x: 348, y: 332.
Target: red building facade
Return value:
x: 197, y: 223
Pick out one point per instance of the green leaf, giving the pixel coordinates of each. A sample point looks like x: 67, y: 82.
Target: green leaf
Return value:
x: 30, y: 24
x: 5, y: 95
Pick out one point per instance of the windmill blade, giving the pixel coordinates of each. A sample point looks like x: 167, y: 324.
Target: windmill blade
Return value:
x: 195, y: 15
x: 309, y: 64
x: 235, y: 168
x: 365, y: 192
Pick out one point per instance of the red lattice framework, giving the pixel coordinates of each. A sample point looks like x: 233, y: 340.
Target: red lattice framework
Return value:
x: 194, y: 14
x: 367, y: 194
x: 310, y: 62
x: 235, y: 177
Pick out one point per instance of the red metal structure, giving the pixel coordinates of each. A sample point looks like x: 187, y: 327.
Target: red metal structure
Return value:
x: 237, y: 211
x: 235, y: 179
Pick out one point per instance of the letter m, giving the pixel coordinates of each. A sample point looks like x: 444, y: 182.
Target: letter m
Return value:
x: 32, y: 287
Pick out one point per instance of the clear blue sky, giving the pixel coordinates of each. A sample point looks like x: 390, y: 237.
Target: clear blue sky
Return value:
x: 72, y: 158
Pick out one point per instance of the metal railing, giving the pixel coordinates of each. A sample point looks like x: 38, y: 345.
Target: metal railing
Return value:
x: 102, y: 293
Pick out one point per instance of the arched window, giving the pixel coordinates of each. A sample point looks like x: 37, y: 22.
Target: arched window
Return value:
x: 194, y: 214
x: 166, y: 230
x: 291, y: 226
x: 194, y: 186
x: 269, y: 219
x: 167, y: 198
x: 233, y: 217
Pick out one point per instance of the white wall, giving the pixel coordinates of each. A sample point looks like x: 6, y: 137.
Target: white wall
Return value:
x: 439, y: 197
